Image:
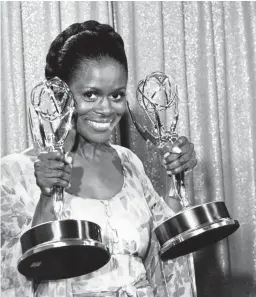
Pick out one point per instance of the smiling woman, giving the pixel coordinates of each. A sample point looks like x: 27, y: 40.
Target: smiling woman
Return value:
x: 99, y: 90
x: 104, y: 183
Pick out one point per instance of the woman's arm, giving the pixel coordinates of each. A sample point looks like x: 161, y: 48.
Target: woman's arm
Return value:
x: 44, y: 211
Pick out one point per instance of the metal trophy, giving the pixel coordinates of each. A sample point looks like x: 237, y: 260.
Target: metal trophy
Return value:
x: 63, y: 248
x: 194, y: 227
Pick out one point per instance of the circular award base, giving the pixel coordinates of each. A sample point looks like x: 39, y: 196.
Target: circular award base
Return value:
x: 62, y: 249
x: 194, y: 228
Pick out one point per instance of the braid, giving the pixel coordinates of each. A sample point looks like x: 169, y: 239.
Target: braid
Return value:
x: 53, y: 53
x: 66, y: 50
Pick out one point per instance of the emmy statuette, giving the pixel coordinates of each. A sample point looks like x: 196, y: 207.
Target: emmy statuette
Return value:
x: 65, y: 247
x: 194, y: 227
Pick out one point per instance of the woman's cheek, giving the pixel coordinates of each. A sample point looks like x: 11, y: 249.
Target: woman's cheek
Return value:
x: 121, y: 108
x: 83, y: 107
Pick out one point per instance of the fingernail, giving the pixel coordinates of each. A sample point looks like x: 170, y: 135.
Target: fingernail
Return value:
x: 68, y: 158
x: 166, y: 154
x: 47, y: 191
x: 69, y: 184
x: 176, y: 150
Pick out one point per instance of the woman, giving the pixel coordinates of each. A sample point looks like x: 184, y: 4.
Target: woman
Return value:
x: 103, y: 183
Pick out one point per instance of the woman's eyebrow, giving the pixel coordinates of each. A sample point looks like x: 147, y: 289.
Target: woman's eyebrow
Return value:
x: 97, y: 89
x: 119, y: 89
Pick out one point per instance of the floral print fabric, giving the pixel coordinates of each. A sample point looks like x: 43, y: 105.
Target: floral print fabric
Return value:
x: 127, y: 221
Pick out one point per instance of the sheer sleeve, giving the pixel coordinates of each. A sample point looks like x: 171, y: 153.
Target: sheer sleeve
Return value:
x: 170, y: 278
x: 19, y: 196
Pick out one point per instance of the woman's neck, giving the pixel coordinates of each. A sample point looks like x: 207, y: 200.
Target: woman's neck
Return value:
x: 87, y: 150
x: 90, y: 150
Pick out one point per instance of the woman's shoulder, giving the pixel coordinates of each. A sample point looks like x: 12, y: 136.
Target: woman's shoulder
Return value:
x: 126, y: 152
x: 130, y: 159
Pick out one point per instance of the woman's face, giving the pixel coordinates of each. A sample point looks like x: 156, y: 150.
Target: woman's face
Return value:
x: 99, y: 89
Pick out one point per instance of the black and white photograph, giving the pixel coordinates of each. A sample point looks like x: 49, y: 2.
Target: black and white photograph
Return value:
x: 128, y: 148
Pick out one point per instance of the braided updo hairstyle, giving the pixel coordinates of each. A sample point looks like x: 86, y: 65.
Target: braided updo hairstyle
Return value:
x: 83, y: 41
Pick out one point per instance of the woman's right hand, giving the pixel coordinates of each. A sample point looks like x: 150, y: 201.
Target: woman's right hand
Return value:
x: 52, y: 169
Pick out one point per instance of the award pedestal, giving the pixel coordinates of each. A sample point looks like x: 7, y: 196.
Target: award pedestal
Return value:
x: 62, y: 249
x: 194, y: 228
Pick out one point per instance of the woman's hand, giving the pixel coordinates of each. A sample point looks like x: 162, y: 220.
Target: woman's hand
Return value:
x: 52, y: 169
x: 179, y: 157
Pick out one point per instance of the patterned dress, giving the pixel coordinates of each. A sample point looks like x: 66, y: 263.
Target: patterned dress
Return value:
x: 127, y: 221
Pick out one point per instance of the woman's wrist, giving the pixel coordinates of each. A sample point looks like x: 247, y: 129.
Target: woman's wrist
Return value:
x: 44, y: 210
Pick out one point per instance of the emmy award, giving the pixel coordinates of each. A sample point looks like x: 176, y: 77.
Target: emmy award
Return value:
x: 194, y: 227
x: 62, y: 248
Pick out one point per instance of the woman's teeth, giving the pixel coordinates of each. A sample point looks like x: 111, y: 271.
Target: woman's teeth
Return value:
x: 99, y: 126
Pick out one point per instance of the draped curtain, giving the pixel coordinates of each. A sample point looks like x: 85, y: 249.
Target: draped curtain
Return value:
x: 210, y: 50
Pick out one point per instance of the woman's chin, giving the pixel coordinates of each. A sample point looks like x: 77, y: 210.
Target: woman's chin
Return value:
x: 97, y: 138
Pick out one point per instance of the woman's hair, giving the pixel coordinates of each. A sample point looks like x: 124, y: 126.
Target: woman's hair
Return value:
x: 80, y: 42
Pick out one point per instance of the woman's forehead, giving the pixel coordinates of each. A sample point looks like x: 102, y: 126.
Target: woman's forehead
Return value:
x: 100, y: 73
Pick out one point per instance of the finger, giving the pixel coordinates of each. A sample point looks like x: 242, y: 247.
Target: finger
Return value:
x: 41, y: 166
x: 52, y: 164
x: 54, y: 174
x: 176, y: 146
x: 172, y: 154
x: 58, y: 165
x: 56, y: 182
x: 176, y: 150
x: 182, y: 159
x: 52, y: 181
x: 181, y: 141
x: 48, y: 166
x: 55, y: 155
x: 68, y: 158
x: 68, y: 168
x: 37, y: 165
x: 186, y: 150
x: 170, y: 157
x: 177, y: 163
x: 167, y: 148
x: 184, y: 167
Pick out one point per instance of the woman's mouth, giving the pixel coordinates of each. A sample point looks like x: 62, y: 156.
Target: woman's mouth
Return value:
x: 100, y: 126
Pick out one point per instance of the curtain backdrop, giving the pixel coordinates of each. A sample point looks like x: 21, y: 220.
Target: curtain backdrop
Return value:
x: 210, y: 50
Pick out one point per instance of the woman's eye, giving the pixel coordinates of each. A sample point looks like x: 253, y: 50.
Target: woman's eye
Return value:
x: 117, y: 96
x: 90, y: 96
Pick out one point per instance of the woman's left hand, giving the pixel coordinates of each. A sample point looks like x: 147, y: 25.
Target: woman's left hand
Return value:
x: 179, y: 156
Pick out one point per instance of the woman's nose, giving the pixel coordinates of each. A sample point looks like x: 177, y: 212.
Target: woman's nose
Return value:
x: 105, y: 107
